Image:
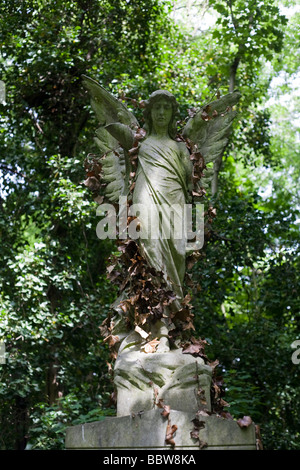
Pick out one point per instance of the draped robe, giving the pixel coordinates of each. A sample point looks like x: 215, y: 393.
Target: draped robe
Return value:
x: 162, y: 190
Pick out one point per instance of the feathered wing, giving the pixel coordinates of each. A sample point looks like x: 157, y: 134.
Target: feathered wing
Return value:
x: 209, y: 130
x: 109, y: 110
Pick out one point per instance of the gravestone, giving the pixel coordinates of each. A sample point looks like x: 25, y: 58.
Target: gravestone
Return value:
x: 163, y: 379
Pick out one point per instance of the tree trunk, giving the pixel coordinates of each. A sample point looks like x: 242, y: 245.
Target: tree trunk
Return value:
x: 218, y: 161
x: 21, y: 420
x: 52, y: 384
x: 233, y: 70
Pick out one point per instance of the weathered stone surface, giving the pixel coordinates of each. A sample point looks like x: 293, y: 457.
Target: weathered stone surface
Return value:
x: 148, y: 431
x: 161, y: 180
x: 180, y: 380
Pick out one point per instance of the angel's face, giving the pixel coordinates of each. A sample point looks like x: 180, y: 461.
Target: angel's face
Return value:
x: 161, y: 114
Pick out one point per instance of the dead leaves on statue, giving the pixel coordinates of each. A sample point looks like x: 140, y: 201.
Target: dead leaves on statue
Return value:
x: 146, y: 298
x: 166, y: 408
x: 198, y: 425
x: 151, y: 346
x: 244, y: 422
x: 171, y: 428
x: 195, y: 347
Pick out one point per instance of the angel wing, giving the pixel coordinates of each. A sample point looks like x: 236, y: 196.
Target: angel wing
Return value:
x: 110, y: 111
x: 209, y: 130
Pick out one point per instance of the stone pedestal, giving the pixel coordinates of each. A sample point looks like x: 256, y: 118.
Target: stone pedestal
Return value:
x: 171, y: 382
x: 179, y: 380
x: 147, y: 431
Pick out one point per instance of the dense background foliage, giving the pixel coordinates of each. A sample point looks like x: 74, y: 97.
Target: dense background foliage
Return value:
x: 53, y: 290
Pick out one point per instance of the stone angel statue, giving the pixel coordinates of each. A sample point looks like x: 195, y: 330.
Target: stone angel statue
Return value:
x: 159, y: 169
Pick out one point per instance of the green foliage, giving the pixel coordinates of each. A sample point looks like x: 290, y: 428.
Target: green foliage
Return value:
x: 53, y: 291
x: 49, y: 423
x: 252, y: 29
x: 248, y: 307
x: 54, y: 295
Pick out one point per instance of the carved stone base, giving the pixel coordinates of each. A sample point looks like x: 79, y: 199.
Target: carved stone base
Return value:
x: 148, y: 431
x: 147, y: 382
x: 180, y: 380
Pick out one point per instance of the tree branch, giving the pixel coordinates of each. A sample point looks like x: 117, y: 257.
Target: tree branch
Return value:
x: 6, y: 168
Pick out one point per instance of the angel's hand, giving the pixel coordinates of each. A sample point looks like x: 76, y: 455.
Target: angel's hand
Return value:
x: 122, y: 133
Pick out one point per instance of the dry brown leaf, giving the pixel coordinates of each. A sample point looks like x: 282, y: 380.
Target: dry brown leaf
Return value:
x: 140, y: 133
x: 213, y: 364
x: 151, y: 346
x: 202, y: 444
x: 202, y: 413
x: 133, y: 150
x: 226, y: 415
x: 99, y: 199
x: 194, y: 434
x: 197, y: 347
x: 166, y: 408
x: 111, y: 340
x: 259, y: 445
x: 166, y: 411
x: 198, y: 425
x: 160, y: 403
x: 244, y: 422
x: 224, y: 403
x: 201, y: 395
x: 92, y: 183
x: 170, y: 433
x: 205, y: 116
x: 141, y: 332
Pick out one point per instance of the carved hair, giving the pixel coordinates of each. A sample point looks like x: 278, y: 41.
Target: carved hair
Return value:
x: 153, y: 98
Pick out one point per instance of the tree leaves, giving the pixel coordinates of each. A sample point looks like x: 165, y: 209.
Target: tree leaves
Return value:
x: 53, y: 298
x: 53, y: 291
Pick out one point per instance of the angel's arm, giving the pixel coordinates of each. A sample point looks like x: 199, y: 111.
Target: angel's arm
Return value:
x: 188, y: 166
x: 122, y: 133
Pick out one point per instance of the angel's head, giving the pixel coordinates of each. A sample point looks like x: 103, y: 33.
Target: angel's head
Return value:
x: 160, y: 111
